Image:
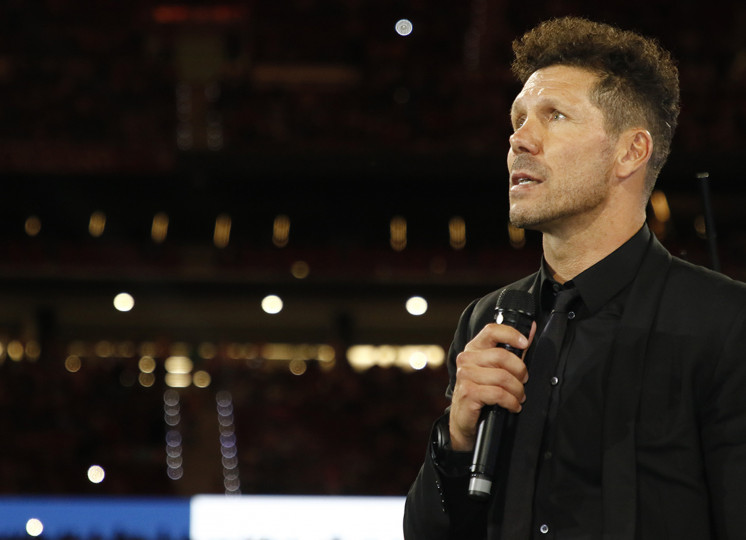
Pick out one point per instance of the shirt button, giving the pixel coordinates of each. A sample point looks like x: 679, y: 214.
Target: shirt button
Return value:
x: 571, y: 315
x: 554, y: 381
x: 544, y: 529
x: 548, y: 454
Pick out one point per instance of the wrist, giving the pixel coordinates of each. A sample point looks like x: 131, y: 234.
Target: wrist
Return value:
x: 449, y: 460
x: 460, y: 443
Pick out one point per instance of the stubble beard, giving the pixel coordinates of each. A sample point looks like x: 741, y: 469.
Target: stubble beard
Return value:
x: 564, y: 198
x: 558, y: 205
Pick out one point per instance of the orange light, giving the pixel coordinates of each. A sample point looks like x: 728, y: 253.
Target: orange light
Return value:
x: 175, y: 14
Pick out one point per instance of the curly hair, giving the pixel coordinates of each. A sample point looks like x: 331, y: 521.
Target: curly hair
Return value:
x: 638, y: 82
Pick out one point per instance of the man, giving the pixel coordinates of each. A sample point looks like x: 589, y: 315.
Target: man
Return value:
x: 641, y: 414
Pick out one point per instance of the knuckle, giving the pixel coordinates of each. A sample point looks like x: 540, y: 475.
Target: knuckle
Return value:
x: 462, y: 358
x: 463, y: 373
x: 464, y: 388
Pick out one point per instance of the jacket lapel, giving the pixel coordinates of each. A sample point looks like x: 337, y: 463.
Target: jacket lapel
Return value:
x: 623, y: 386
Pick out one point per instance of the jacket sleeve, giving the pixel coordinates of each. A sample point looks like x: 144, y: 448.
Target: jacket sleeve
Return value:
x: 437, y: 506
x: 723, y: 433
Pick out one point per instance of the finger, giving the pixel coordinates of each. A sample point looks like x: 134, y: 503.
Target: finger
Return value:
x: 531, y: 335
x: 468, y: 401
x: 493, y: 359
x: 486, y: 385
x: 494, y: 333
x: 506, y: 399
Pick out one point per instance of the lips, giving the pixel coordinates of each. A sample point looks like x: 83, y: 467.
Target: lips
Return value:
x: 526, y: 172
x: 521, y: 178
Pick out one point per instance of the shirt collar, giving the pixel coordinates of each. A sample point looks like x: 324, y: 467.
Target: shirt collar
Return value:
x: 605, y: 279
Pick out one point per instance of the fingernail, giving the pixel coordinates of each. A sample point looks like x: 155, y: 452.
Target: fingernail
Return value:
x: 523, y: 341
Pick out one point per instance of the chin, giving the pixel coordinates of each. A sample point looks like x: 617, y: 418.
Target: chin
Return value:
x: 528, y: 222
x: 522, y: 220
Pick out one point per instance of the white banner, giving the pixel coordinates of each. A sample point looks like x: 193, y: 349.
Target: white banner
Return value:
x: 218, y: 517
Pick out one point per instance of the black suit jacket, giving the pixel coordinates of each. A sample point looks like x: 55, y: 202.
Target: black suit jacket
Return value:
x: 674, y: 444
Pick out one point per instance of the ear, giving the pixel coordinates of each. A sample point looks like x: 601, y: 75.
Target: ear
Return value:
x: 634, y: 148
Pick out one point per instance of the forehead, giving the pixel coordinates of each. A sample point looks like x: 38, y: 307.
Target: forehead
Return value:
x: 567, y: 84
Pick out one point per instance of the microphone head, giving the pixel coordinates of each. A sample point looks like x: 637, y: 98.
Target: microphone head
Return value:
x: 515, y: 300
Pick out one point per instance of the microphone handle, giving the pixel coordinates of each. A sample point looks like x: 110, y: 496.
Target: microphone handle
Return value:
x: 514, y: 308
x: 491, y: 424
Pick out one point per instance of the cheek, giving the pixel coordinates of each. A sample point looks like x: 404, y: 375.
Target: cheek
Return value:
x: 588, y: 156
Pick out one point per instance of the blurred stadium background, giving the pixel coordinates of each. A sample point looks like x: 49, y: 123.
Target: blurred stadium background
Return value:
x: 236, y: 236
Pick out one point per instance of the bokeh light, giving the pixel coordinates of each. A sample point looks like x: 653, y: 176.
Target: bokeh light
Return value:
x: 404, y: 27
x: 272, y: 304
x: 124, y: 302
x: 416, y: 306
x: 34, y: 527
x: 96, y: 474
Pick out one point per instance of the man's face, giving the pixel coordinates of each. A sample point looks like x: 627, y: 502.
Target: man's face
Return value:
x: 560, y: 155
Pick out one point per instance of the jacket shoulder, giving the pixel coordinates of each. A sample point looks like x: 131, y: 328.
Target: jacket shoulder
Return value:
x: 701, y: 286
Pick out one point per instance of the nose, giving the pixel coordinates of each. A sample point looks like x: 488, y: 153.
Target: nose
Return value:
x: 525, y: 139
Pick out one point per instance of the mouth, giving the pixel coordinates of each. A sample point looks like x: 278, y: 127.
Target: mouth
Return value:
x: 520, y: 179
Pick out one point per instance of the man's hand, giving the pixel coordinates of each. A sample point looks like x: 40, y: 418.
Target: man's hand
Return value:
x: 487, y: 375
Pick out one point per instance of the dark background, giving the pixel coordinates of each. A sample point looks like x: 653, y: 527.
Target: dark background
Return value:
x: 314, y: 110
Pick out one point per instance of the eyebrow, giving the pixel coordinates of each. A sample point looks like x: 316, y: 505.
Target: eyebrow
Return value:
x: 543, y: 102
x: 513, y: 109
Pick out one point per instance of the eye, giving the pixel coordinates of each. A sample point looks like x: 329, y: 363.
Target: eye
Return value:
x: 518, y: 121
x: 556, y: 115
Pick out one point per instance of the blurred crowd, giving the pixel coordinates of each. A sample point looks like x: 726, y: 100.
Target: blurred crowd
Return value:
x: 327, y: 432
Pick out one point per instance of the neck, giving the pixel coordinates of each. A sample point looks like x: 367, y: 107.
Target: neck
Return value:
x: 570, y: 251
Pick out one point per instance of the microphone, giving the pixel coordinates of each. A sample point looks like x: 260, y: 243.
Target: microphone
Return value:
x: 517, y: 309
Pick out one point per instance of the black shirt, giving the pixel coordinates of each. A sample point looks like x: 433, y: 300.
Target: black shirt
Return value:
x: 567, y: 497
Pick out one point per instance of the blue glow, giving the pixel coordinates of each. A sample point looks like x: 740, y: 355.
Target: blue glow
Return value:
x: 86, y: 517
